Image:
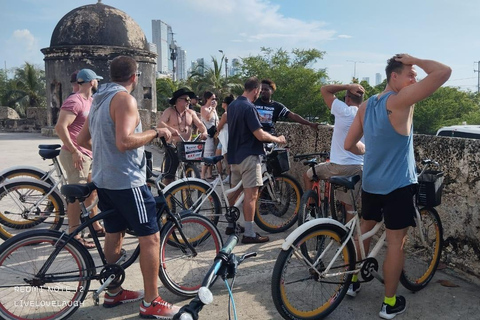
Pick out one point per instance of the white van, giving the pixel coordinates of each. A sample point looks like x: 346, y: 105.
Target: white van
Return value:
x: 462, y: 131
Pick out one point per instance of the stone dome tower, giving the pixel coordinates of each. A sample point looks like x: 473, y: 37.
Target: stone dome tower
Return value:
x: 90, y: 37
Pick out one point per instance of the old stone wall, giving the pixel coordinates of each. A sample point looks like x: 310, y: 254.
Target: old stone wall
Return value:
x: 35, y: 120
x: 459, y: 212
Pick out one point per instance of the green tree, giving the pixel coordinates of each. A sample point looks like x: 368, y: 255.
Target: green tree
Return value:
x: 298, y: 84
x: 26, y: 89
x: 165, y: 89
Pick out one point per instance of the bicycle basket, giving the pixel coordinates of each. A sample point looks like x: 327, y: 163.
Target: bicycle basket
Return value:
x: 190, y: 151
x: 278, y: 161
x: 430, y: 188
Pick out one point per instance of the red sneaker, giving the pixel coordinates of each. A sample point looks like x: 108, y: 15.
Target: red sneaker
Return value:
x: 123, y: 296
x: 159, y: 309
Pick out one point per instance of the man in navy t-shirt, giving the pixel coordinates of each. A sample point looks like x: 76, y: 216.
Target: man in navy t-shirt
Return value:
x: 245, y: 145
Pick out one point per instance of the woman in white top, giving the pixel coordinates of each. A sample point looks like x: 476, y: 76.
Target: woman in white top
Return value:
x: 210, y: 119
x: 223, y: 137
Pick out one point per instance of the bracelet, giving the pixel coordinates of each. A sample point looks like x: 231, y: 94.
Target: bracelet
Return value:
x: 156, y: 131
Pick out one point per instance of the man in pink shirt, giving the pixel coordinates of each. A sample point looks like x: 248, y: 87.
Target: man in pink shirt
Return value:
x: 76, y: 160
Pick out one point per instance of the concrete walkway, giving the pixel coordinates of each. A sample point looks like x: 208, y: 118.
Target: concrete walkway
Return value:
x: 252, y: 287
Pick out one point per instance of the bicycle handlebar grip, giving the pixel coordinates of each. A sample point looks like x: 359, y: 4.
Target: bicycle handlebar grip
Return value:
x: 229, y: 245
x: 163, y: 141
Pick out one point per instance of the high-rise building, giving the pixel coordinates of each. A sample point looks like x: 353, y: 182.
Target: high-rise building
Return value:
x: 181, y: 64
x: 160, y: 37
x: 235, y: 67
x: 378, y: 78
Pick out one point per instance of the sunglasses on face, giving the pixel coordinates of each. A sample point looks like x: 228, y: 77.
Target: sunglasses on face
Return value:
x: 186, y: 99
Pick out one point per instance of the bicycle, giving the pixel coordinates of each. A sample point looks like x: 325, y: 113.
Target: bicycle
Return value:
x: 189, y: 153
x: 225, y: 265
x: 320, y: 258
x: 41, y: 266
x: 276, y: 208
x: 30, y: 196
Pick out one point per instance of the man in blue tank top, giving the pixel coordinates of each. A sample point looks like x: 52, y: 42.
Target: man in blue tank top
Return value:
x: 389, y: 177
x: 113, y: 131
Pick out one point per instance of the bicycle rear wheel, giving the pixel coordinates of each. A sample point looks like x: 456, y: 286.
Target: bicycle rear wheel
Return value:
x: 184, y: 195
x: 278, y: 204
x: 421, y: 259
x: 24, y: 294
x: 24, y: 204
x: 301, y: 288
x: 181, y: 271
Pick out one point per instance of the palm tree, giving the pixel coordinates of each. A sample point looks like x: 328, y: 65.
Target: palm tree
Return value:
x: 26, y: 89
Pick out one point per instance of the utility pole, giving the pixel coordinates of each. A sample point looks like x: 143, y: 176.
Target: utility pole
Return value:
x: 173, y: 57
x: 226, y: 63
x: 355, y: 67
x: 478, y: 71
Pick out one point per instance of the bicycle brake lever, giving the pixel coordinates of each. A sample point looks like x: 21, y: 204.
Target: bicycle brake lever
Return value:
x: 246, y: 256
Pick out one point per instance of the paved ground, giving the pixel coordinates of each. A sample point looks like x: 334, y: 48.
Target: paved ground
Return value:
x: 252, y: 289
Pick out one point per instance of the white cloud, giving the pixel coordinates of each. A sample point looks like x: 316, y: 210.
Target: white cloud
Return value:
x: 344, y: 36
x: 22, y: 47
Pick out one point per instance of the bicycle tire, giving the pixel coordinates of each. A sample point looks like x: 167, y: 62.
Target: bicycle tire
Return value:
x: 20, y: 260
x: 185, y: 194
x: 18, y: 197
x: 27, y: 172
x: 191, y: 171
x: 180, y: 271
x: 278, y: 215
x: 337, y: 208
x: 421, y: 261
x: 298, y: 290
x: 309, y: 208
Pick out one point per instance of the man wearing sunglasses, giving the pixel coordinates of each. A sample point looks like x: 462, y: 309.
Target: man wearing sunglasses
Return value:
x: 180, y: 120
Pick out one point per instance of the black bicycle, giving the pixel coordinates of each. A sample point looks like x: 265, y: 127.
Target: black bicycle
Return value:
x: 46, y: 274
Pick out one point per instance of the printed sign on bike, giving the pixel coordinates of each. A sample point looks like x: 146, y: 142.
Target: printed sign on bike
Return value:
x: 191, y: 151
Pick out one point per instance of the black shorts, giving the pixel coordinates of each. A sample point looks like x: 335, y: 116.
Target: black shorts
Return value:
x: 135, y: 209
x: 171, y: 163
x: 398, y: 208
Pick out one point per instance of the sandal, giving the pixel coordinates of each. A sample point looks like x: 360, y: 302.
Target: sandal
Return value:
x: 100, y: 233
x: 87, y: 244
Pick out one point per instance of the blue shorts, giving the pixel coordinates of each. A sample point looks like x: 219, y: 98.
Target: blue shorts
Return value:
x: 135, y: 209
x: 398, y: 208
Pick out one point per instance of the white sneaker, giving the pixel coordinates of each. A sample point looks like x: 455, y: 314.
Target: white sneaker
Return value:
x: 227, y: 179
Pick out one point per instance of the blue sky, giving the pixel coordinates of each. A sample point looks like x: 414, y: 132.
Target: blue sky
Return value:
x: 368, y: 31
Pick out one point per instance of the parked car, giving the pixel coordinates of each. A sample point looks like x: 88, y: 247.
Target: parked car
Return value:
x: 462, y: 131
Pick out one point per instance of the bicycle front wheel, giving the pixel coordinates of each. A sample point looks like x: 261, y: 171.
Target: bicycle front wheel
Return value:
x: 56, y: 294
x: 309, y: 208
x: 422, y: 257
x: 302, y: 287
x: 278, y: 204
x: 182, y: 271
x: 25, y: 204
x: 191, y: 171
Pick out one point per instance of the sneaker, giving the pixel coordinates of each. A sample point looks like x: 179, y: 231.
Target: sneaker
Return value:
x: 257, y: 239
x: 123, y: 296
x: 237, y: 230
x: 159, y: 309
x: 389, y: 312
x: 227, y: 179
x: 353, y: 288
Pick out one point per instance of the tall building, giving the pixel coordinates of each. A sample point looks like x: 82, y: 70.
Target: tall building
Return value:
x: 378, y: 78
x: 235, y: 67
x: 160, y: 37
x: 181, y: 64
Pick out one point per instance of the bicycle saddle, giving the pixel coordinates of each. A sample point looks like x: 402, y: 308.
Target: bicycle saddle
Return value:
x: 77, y: 191
x: 212, y: 160
x: 345, y: 181
x: 48, y: 153
x: 49, y: 146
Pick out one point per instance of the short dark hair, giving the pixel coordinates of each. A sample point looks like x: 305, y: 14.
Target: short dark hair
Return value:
x: 251, y: 84
x: 355, y: 99
x: 270, y: 83
x: 228, y: 99
x: 122, y: 68
x: 393, y: 66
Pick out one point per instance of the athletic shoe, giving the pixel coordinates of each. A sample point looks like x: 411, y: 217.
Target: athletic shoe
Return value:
x: 227, y: 179
x: 353, y: 288
x: 159, y: 309
x: 124, y: 296
x: 389, y: 312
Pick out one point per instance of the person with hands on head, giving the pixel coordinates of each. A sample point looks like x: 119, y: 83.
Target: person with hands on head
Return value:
x: 245, y: 147
x: 389, y: 176
x: 114, y: 132
x: 77, y: 161
x: 179, y: 120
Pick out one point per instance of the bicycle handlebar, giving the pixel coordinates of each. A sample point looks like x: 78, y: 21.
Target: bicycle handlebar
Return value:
x: 299, y: 157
